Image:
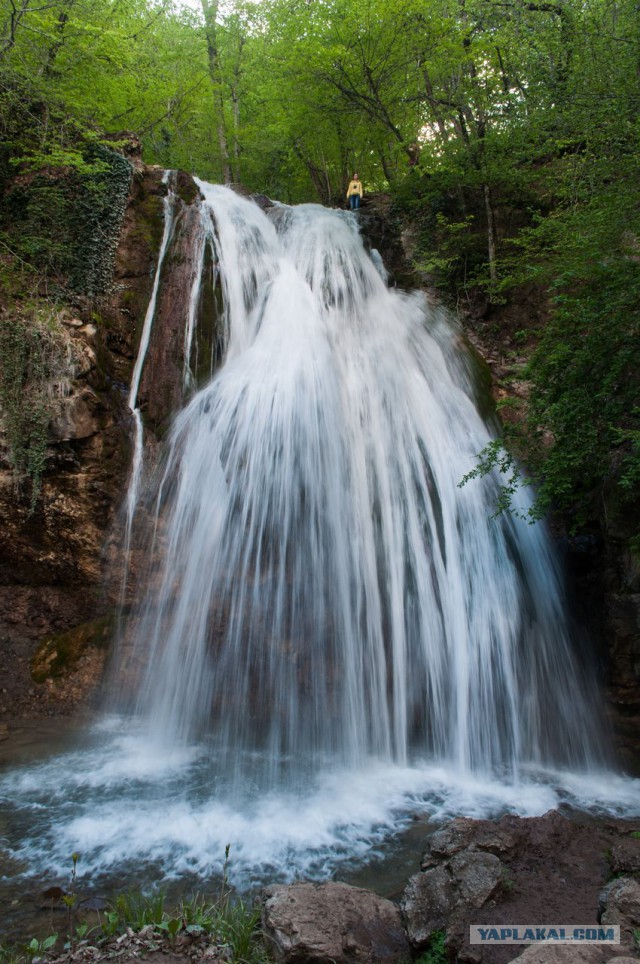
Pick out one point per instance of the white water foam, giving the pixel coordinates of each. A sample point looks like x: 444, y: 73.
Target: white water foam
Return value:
x: 132, y: 809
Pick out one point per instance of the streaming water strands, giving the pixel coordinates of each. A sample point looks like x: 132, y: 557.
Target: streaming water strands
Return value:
x: 135, y: 476
x: 327, y: 592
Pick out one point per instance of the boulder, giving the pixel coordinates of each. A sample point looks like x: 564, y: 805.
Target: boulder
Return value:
x: 427, y: 904
x: 453, y: 837
x: 439, y: 897
x: 477, y: 876
x: 564, y: 954
x: 625, y: 857
x: 619, y: 903
x: 76, y: 417
x: 495, y: 837
x: 332, y: 922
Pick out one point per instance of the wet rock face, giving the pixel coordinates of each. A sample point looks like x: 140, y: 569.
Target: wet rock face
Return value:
x: 53, y: 559
x: 162, y: 385
x: 332, y: 922
x: 621, y: 580
x: 428, y: 902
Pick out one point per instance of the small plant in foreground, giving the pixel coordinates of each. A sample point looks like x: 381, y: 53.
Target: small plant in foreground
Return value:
x: 171, y: 926
x: 436, y: 953
x: 135, y: 910
x: 76, y: 936
x: 36, y: 948
x: 231, y: 923
x: 507, y: 882
x: 236, y: 927
x: 8, y: 955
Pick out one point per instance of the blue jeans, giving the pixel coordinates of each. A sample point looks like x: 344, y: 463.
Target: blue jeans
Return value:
x: 354, y: 201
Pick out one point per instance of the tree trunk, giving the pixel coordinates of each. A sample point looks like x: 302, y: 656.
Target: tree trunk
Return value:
x: 437, y: 112
x: 491, y: 233
x: 210, y: 11
x: 52, y: 52
x: 235, y: 100
x: 9, y: 28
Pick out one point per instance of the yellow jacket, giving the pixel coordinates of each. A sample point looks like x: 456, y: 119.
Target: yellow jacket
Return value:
x: 355, y: 187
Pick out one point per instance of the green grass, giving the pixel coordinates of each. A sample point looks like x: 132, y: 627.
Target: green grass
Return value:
x: 232, y: 924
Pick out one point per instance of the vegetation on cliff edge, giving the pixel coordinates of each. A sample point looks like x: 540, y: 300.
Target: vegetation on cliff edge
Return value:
x: 505, y: 132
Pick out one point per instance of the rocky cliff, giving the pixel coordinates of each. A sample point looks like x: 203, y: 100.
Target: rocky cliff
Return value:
x: 55, y: 602
x: 60, y: 542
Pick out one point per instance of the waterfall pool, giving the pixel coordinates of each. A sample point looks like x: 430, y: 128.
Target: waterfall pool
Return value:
x: 140, y: 816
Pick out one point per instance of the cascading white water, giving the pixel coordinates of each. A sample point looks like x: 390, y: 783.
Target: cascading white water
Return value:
x: 334, y: 636
x: 327, y: 590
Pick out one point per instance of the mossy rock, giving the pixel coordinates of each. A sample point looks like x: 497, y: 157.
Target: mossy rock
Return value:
x: 186, y: 188
x: 59, y: 655
x: 482, y: 382
x: 149, y: 222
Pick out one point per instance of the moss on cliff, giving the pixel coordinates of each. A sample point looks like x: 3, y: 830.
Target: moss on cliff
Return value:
x: 59, y: 655
x: 65, y: 221
x: 149, y: 222
x: 34, y: 375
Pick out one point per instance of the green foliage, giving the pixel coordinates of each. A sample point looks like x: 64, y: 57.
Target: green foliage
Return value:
x: 8, y: 955
x: 507, y: 882
x: 436, y: 952
x: 235, y: 926
x: 36, y: 366
x: 496, y: 457
x: 135, y: 910
x: 38, y: 948
x: 59, y: 157
x: 585, y: 375
x: 65, y: 222
x: 454, y: 252
x: 231, y: 923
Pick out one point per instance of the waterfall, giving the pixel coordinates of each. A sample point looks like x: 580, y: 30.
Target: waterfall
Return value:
x: 327, y: 592
x: 331, y: 636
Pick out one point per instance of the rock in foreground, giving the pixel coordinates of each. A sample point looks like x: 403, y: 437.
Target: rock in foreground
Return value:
x: 332, y: 922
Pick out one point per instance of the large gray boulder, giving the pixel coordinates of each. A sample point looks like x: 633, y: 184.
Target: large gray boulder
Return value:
x: 437, y: 898
x: 619, y: 903
x: 476, y: 876
x: 332, y: 922
x: 427, y: 904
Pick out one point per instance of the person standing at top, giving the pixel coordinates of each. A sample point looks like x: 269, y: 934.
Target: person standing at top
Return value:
x: 354, y: 192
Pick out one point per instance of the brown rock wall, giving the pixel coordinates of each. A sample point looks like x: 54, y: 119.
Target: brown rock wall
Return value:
x: 53, y: 559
